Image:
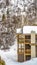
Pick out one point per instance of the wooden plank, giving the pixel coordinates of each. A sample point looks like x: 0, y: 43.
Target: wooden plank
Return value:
x: 27, y: 53
x: 20, y: 52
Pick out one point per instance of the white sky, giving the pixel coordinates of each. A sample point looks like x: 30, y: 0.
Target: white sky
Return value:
x: 27, y: 29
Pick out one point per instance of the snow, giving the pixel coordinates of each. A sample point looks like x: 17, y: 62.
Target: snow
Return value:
x: 1, y: 1
x: 10, y: 57
x: 27, y: 29
x: 14, y: 4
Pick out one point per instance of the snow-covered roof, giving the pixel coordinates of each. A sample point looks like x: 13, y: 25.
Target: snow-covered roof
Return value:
x: 27, y: 29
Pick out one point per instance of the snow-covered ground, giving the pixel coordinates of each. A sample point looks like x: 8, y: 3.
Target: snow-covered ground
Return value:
x: 10, y: 57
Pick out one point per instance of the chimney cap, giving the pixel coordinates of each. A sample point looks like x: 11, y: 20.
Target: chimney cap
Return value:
x: 32, y: 31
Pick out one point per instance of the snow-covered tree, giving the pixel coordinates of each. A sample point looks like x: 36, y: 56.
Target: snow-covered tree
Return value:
x: 15, y: 14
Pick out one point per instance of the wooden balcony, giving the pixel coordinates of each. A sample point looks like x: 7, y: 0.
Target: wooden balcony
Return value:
x: 28, y: 52
x: 21, y: 40
x: 21, y: 36
x: 20, y: 50
x: 27, y: 40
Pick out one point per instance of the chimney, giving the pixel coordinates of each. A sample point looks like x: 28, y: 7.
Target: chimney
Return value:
x: 33, y: 48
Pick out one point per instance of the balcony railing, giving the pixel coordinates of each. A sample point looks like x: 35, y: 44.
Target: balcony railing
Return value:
x: 28, y: 51
x: 21, y: 40
x: 27, y: 40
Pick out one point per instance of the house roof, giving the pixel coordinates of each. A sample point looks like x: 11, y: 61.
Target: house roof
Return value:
x: 27, y: 29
